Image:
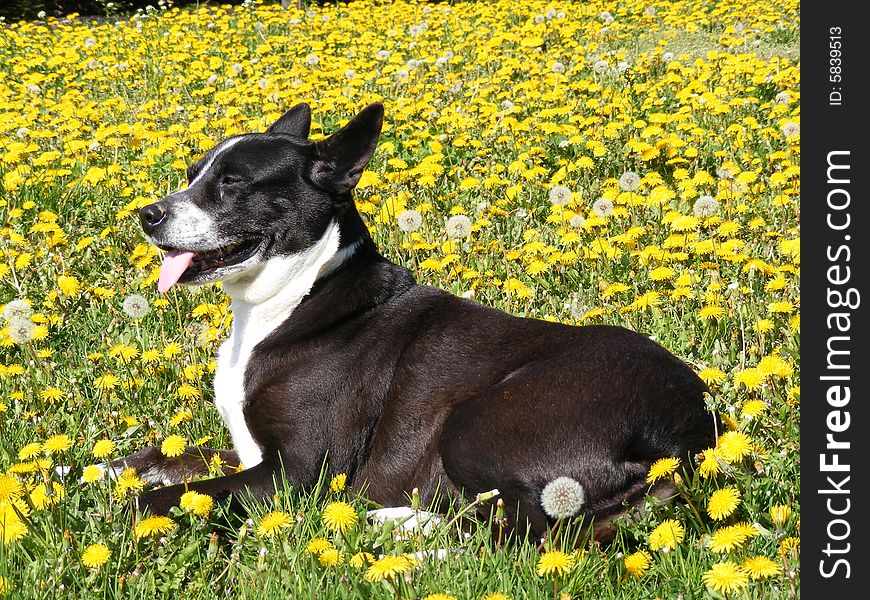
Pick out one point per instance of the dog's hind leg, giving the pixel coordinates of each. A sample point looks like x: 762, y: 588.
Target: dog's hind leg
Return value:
x: 155, y: 468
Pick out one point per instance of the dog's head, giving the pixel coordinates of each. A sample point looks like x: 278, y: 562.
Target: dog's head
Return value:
x: 258, y: 196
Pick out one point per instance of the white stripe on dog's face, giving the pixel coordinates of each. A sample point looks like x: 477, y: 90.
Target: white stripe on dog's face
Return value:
x: 192, y: 228
x: 223, y: 147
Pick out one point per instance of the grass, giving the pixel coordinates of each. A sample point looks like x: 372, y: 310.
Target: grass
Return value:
x: 508, y: 102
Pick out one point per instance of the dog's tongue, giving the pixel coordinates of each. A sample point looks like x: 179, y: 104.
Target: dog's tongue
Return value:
x: 175, y: 262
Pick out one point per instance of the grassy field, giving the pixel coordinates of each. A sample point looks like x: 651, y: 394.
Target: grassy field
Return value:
x: 632, y: 163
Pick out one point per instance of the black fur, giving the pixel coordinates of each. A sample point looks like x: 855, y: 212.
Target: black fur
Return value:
x: 401, y: 385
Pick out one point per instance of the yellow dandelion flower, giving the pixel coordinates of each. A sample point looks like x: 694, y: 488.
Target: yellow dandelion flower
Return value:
x: 764, y: 325
x: 95, y: 556
x: 103, y: 448
x: 58, y: 443
x: 154, y: 526
x: 44, y: 495
x: 10, y: 488
x: 711, y: 375
x: 330, y: 557
x: 361, y: 558
x: 30, y: 450
x: 68, y: 286
x: 439, y: 596
x: 711, y: 311
x: 128, y: 481
x: 106, y: 382
x: 171, y: 349
x: 760, y: 567
x: 337, y: 483
x: 709, y: 463
x: 637, y: 563
x: 747, y: 529
x: 4, y: 586
x: 776, y: 366
x: 779, y: 513
x: 752, y: 378
x: 273, y: 522
x: 790, y: 546
x: 92, y: 473
x: 733, y: 446
x: 752, y: 408
x: 318, y: 545
x: 726, y: 577
x: 196, y: 503
x: 666, y: 535
x: 662, y: 468
x: 722, y: 503
x: 554, y: 563
x: 173, y: 445
x: 727, y: 539
x: 785, y: 307
x: 12, y: 528
x: 495, y: 596
x: 388, y: 567
x: 340, y: 516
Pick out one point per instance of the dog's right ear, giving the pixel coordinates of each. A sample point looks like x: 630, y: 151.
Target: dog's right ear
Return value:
x: 295, y: 122
x: 339, y: 159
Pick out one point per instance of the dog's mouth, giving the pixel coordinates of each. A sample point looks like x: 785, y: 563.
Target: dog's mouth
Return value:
x: 185, y: 266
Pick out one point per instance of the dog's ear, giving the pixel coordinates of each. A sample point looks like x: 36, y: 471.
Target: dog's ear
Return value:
x: 339, y: 160
x: 295, y: 122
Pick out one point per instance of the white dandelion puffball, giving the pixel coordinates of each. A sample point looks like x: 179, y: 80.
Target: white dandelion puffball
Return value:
x: 601, y: 67
x: 135, y: 306
x: 21, y: 330
x: 410, y: 220
x: 17, y: 309
x: 629, y: 181
x: 558, y: 67
x: 562, y: 498
x: 577, y: 221
x: 602, y: 207
x: 705, y: 206
x: 560, y: 195
x: 458, y: 226
x: 791, y: 129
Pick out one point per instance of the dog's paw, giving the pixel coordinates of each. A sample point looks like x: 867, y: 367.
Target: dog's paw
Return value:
x: 405, y: 519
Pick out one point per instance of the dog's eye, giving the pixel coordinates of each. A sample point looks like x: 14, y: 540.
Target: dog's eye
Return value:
x: 231, y: 180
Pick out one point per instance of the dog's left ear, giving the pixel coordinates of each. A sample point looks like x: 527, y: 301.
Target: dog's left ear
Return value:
x: 339, y: 160
x: 295, y: 122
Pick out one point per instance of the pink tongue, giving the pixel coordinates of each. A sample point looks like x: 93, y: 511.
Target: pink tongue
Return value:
x: 175, y: 262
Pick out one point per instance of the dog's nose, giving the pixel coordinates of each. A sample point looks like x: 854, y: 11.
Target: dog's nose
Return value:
x: 151, y: 216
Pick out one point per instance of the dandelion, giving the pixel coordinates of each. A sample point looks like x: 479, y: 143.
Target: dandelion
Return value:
x: 103, y: 448
x: 92, y: 473
x: 383, y: 55
x: 330, y: 557
x: 458, y: 226
x: 30, y: 450
x: 722, y: 503
x: 196, y: 503
x: 577, y: 221
x: 629, y: 181
x: 173, y: 446
x: 46, y: 495
x: 68, y: 286
x: 439, y: 597
x: 4, y: 583
x: 760, y: 567
x: 602, y: 208
x: 733, y: 446
x: 388, y: 567
x: 273, y: 522
x: 727, y: 539
x: 705, y: 206
x: 340, y: 517
x: 779, y: 514
x: 135, y: 306
x: 558, y: 68
x: 662, y: 468
x: 10, y: 488
x: 554, y: 563
x: 312, y: 60
x: 782, y: 98
x: 562, y: 498
x: 726, y: 577
x: 560, y: 195
x: 95, y: 556
x: 337, y: 483
x: 495, y: 596
x: 21, y: 331
x: 318, y: 545
x: 153, y: 526
x: 666, y: 535
x: 637, y: 563
x: 791, y: 129
x: 789, y: 546
x: 410, y: 220
x: 11, y: 527
x: 361, y: 558
x: 17, y: 309
x: 752, y: 408
x: 600, y: 67
x: 58, y: 443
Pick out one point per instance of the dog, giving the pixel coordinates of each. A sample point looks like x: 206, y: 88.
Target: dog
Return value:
x: 337, y: 357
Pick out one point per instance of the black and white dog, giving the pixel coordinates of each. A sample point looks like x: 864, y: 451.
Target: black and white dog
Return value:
x: 337, y: 355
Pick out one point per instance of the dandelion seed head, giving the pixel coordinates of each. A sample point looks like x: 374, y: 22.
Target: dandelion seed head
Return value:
x: 560, y: 195
x: 17, y: 309
x: 21, y: 331
x: 410, y: 220
x: 562, y: 498
x: 458, y: 226
x: 135, y: 306
x: 602, y: 207
x: 629, y: 181
x: 705, y: 206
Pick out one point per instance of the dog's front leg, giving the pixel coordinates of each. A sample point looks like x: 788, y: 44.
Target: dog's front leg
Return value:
x: 258, y: 482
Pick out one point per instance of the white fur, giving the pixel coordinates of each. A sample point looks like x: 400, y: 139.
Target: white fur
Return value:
x: 218, y: 151
x: 193, y: 228
x: 263, y: 297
